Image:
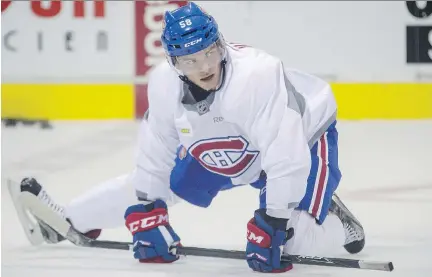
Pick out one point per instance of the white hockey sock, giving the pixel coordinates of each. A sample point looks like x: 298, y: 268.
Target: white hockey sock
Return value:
x: 103, y: 206
x: 312, y: 239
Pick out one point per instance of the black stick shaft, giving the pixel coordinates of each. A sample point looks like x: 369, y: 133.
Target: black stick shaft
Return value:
x: 241, y: 255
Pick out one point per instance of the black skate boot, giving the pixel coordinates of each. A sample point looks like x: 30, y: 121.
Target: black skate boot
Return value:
x: 354, y: 233
x: 50, y: 235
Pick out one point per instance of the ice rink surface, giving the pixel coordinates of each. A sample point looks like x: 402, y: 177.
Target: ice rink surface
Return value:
x: 387, y: 184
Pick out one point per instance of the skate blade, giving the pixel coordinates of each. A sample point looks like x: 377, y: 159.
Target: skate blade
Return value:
x: 42, y: 212
x: 28, y: 223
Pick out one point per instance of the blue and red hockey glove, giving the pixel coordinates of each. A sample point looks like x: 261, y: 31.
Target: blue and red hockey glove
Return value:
x: 266, y: 237
x: 153, y: 238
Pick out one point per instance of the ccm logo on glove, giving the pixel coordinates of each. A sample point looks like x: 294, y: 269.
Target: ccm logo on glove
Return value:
x: 138, y: 222
x: 257, y: 236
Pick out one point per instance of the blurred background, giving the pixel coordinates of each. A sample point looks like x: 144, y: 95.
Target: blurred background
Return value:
x: 89, y: 59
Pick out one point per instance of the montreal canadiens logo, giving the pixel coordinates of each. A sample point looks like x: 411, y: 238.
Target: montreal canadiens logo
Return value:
x: 225, y: 156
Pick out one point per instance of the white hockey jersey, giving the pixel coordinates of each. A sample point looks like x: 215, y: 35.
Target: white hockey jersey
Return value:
x: 264, y: 117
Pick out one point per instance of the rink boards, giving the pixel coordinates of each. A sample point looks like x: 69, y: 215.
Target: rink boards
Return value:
x: 128, y: 101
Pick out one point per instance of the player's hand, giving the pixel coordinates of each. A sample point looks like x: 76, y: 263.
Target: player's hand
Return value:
x: 153, y: 238
x: 266, y: 237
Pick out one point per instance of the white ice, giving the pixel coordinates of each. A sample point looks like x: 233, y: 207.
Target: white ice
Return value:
x: 387, y: 183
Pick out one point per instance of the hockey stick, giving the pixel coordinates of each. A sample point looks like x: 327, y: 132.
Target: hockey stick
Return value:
x: 32, y: 204
x: 241, y: 255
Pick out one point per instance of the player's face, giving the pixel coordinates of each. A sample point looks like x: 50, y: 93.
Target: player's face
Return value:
x: 203, y: 68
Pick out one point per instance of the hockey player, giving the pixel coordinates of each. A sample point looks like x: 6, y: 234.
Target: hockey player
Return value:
x: 223, y: 115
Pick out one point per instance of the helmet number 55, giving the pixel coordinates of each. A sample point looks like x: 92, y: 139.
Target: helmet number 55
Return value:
x: 185, y: 23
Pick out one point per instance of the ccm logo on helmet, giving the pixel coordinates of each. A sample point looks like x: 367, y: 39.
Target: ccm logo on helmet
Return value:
x: 193, y: 42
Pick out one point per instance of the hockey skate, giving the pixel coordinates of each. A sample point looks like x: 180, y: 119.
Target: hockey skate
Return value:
x: 354, y: 233
x: 48, y: 233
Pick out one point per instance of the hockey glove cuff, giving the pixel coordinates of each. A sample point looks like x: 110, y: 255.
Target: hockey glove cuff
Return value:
x: 266, y: 237
x: 153, y: 238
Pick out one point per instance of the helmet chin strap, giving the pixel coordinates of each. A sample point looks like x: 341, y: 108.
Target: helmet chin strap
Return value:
x: 190, y: 83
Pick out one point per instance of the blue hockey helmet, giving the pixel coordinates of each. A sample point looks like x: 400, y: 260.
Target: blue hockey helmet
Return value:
x: 188, y: 30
